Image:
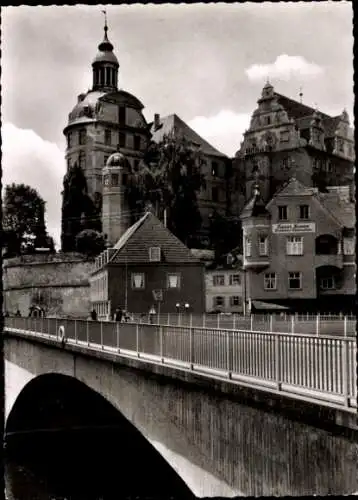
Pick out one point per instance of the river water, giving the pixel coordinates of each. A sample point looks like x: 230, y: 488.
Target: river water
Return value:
x: 89, y: 466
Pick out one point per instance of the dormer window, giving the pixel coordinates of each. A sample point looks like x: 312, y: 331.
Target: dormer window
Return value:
x: 154, y: 254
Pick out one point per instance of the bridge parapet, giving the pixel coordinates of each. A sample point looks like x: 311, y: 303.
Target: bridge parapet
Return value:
x: 306, y: 367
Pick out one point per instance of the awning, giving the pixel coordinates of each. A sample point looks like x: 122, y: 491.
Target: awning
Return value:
x: 269, y: 306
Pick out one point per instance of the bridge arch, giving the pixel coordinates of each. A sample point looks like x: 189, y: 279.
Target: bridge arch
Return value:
x: 90, y: 437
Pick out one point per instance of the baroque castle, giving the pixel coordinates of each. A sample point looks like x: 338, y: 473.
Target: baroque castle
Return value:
x: 107, y: 135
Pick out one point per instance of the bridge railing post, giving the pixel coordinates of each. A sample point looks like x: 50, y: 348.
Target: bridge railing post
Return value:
x: 345, y: 372
x: 76, y: 339
x: 137, y: 338
x: 228, y: 352
x: 117, y: 336
x: 48, y: 328
x: 161, y: 345
x: 102, y: 347
x: 191, y: 348
x: 317, y: 324
x: 278, y: 361
x: 56, y: 327
x: 87, y: 333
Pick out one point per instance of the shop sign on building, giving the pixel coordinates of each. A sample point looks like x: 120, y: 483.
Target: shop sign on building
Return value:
x: 294, y: 228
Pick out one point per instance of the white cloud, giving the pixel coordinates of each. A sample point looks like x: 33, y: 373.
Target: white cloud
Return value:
x: 223, y: 130
x: 29, y: 159
x: 284, y: 68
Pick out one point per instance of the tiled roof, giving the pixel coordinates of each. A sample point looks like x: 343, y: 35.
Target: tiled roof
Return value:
x: 340, y: 206
x: 302, y: 114
x: 149, y: 231
x: 296, y: 109
x: 174, y: 124
x: 294, y: 187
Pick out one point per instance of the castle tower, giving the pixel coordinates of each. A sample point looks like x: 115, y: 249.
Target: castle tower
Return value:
x: 103, y: 117
x: 116, y: 217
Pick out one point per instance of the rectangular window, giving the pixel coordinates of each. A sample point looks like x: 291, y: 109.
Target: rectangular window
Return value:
x: 69, y: 140
x: 82, y: 136
x: 122, y: 115
x: 214, y: 169
x: 218, y: 301
x: 295, y: 281
x: 270, y: 281
x: 122, y: 140
x: 294, y: 245
x: 82, y: 160
x: 263, y: 245
x: 173, y: 280
x: 235, y: 301
x: 284, y: 136
x: 348, y: 246
x: 304, y: 212
x: 327, y: 283
x: 108, y: 136
x: 115, y: 179
x: 235, y: 279
x: 215, y: 194
x: 282, y: 212
x: 154, y: 254
x: 137, y: 142
x: 248, y: 246
x: 219, y: 280
x: 137, y: 280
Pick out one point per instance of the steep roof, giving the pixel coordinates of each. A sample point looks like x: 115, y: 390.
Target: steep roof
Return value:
x: 173, y: 124
x: 302, y: 115
x: 337, y: 202
x: 255, y: 207
x: 149, y: 231
x: 294, y: 187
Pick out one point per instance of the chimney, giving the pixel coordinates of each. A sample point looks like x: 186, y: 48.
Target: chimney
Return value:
x: 156, y: 121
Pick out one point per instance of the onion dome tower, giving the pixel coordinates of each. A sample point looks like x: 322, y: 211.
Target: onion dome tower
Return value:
x: 105, y: 66
x: 116, y: 217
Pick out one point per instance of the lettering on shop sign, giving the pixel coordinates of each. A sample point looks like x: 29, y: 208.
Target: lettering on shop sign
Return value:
x: 299, y: 227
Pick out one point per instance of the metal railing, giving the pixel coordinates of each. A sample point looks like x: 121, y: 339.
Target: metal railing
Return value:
x: 309, y: 367
x: 335, y: 325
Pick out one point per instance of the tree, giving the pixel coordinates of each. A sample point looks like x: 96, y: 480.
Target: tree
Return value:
x: 79, y: 212
x: 224, y: 234
x: 170, y: 178
x: 90, y: 242
x: 24, y: 225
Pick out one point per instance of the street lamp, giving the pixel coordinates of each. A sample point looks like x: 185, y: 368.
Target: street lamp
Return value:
x: 177, y: 305
x: 186, y: 307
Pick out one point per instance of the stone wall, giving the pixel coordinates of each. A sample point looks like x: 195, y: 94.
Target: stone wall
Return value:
x: 58, y: 283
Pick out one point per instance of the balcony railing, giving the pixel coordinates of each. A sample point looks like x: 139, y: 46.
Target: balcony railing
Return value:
x: 318, y: 369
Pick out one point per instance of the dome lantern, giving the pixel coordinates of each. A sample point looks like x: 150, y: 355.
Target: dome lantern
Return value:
x: 105, y: 65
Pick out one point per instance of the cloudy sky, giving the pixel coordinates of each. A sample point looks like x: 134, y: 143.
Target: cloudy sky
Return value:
x: 206, y: 63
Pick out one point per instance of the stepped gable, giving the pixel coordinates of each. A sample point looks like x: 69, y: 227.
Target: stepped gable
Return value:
x: 149, y: 231
x: 172, y: 124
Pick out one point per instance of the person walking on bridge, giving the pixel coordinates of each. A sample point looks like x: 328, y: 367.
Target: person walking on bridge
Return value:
x: 118, y: 314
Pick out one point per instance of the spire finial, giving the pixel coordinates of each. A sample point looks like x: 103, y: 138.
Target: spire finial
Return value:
x: 301, y: 94
x: 105, y: 20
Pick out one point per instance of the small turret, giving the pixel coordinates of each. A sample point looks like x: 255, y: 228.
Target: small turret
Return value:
x: 116, y: 217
